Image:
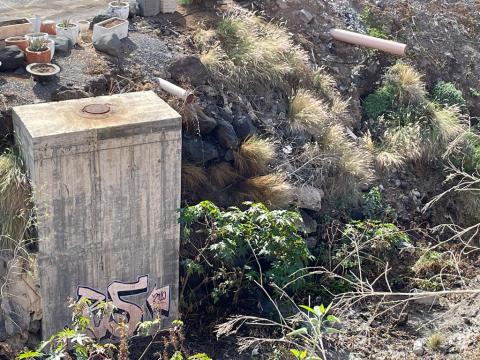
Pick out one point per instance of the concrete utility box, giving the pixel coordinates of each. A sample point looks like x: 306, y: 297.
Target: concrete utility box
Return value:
x: 106, y: 176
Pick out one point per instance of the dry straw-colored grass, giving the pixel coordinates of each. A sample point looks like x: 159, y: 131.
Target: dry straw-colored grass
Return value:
x: 194, y: 178
x: 408, y: 83
x: 15, y: 200
x: 222, y: 175
x: 253, y: 156
x: 308, y: 115
x: 271, y: 189
x: 250, y: 49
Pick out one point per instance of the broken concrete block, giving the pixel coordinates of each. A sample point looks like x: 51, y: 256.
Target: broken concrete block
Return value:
x: 149, y: 7
x: 306, y: 16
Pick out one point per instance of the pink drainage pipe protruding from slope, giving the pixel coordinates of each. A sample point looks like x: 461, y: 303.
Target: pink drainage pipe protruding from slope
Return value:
x: 351, y: 37
x: 175, y: 90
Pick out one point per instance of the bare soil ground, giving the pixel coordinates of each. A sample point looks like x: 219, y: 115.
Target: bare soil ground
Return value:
x: 51, y: 9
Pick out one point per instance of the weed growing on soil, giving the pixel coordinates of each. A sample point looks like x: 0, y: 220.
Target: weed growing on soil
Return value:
x: 303, y: 330
x: 365, y: 246
x: 230, y: 250
x: 409, y: 127
x: 375, y: 207
x: 431, y: 263
x: 256, y: 50
x: 447, y: 94
x: 435, y: 341
x: 271, y: 189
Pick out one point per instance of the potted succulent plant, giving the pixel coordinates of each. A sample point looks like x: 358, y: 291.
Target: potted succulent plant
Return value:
x: 69, y: 30
x: 119, y: 9
x: 38, y: 52
x: 20, y: 41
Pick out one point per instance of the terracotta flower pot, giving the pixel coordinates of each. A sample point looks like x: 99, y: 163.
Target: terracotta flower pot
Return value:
x: 20, y: 41
x: 40, y: 57
x: 49, y: 27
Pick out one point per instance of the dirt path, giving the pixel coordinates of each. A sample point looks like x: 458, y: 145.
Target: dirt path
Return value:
x: 51, y: 9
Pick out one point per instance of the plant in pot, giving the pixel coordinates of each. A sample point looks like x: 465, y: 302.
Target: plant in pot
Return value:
x: 38, y: 52
x: 68, y: 30
x: 119, y: 9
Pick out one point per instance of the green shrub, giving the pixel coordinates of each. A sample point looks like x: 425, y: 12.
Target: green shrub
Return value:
x: 373, y: 26
x: 447, y: 94
x: 375, y: 207
x: 368, y: 244
x: 232, y: 249
x: 380, y: 102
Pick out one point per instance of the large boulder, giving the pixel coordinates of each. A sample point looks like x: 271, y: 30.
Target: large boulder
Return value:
x: 109, y: 44
x: 189, y: 68
x: 243, y: 126
x: 226, y: 135
x: 199, y: 151
x: 11, y: 57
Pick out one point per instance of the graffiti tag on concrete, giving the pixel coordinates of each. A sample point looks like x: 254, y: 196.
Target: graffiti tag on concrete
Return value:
x: 106, y: 322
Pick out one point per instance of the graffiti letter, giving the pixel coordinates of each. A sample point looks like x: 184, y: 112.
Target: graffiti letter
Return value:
x: 159, y: 301
x: 133, y: 312
x: 97, y: 325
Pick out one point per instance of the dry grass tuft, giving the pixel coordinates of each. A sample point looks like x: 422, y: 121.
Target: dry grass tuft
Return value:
x: 324, y: 83
x: 194, y: 178
x: 273, y: 190
x: 254, y: 50
x: 253, y: 156
x: 308, y: 115
x: 216, y: 60
x: 204, y: 38
x: 410, y: 88
x: 15, y: 199
x: 222, y: 174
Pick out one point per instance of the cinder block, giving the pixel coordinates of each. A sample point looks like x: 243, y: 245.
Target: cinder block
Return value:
x: 107, y: 189
x: 149, y: 7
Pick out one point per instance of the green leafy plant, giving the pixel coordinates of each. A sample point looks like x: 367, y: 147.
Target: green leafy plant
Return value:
x: 374, y: 27
x: 375, y: 207
x: 303, y: 332
x: 446, y: 93
x: 380, y: 102
x: 366, y: 245
x: 66, y: 23
x: 37, y: 45
x: 232, y: 249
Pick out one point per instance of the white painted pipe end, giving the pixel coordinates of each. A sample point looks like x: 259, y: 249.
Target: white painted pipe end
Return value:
x: 175, y: 90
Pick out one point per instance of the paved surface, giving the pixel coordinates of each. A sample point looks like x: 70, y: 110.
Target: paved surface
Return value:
x: 51, y: 9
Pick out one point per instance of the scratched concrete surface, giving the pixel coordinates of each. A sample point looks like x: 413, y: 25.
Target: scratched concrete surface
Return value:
x: 51, y: 9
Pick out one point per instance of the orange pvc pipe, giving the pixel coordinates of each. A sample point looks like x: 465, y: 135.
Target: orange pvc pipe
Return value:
x: 351, y: 37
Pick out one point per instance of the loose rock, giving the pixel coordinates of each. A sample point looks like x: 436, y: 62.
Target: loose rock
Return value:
x: 65, y: 93
x: 243, y: 126
x: 306, y: 16
x: 226, y: 135
x: 199, y: 151
x: 109, y: 44
x: 189, y: 68
x: 308, y: 197
x: 418, y: 347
